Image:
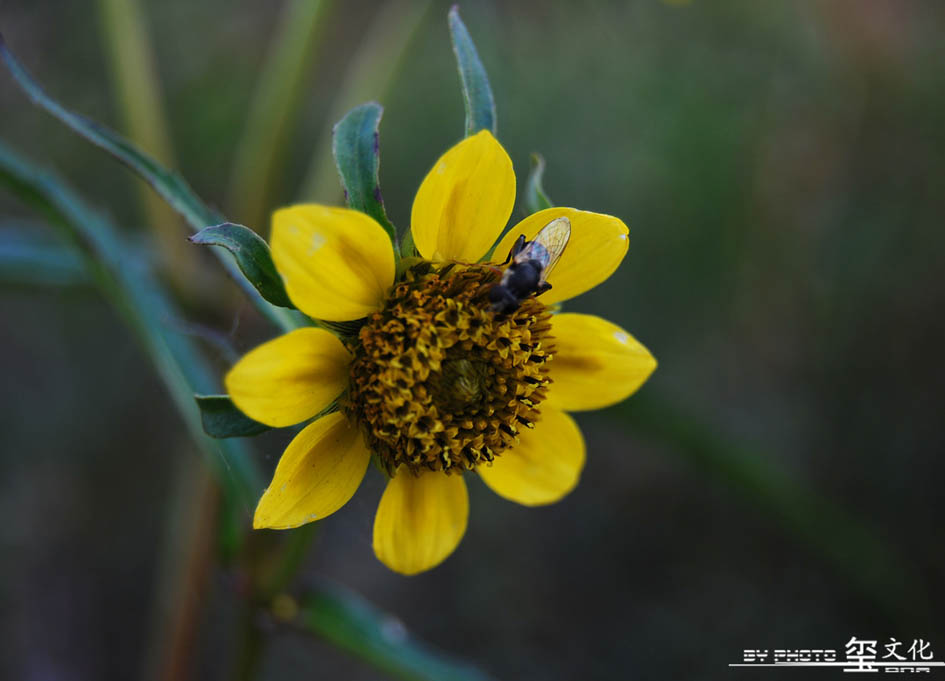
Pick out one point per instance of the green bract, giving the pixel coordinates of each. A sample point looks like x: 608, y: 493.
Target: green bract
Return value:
x: 221, y: 418
x: 252, y: 256
x: 477, y: 93
x: 357, y: 154
x: 535, y: 197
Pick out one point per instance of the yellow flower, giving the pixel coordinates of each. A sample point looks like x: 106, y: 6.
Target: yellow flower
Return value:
x: 428, y: 379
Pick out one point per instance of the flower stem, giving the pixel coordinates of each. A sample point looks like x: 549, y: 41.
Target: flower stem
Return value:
x: 251, y: 643
x: 184, y: 573
x: 293, y: 554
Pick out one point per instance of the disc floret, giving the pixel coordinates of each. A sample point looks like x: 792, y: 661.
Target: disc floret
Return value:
x: 441, y: 382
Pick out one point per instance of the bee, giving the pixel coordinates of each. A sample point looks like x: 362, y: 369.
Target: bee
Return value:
x: 531, y: 263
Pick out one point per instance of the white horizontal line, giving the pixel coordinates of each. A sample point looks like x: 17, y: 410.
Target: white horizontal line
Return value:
x: 848, y: 663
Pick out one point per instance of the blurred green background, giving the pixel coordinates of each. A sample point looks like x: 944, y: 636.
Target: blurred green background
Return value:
x: 776, y: 484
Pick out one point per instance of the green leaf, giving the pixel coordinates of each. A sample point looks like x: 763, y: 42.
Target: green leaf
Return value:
x: 477, y: 94
x: 408, y: 249
x: 132, y: 288
x: 166, y: 183
x: 351, y: 623
x: 29, y: 259
x: 535, y: 197
x: 252, y: 256
x: 864, y: 557
x: 221, y: 418
x: 169, y: 185
x: 356, y: 149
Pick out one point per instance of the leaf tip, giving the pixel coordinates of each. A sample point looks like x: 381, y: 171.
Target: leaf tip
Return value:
x: 456, y: 24
x: 6, y: 55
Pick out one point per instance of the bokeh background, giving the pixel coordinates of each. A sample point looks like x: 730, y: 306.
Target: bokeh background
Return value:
x: 777, y: 482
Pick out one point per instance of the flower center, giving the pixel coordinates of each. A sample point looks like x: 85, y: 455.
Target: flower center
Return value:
x: 439, y: 380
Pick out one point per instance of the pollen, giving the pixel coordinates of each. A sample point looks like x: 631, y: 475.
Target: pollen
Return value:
x: 440, y: 381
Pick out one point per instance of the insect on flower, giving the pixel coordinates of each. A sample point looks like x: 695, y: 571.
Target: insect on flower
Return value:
x: 441, y: 370
x: 531, y: 263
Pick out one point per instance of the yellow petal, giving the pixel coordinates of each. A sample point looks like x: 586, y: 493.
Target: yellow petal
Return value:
x: 420, y: 520
x: 545, y: 464
x: 595, y: 363
x: 317, y: 474
x: 465, y: 201
x: 290, y: 378
x: 597, y: 246
x: 337, y: 263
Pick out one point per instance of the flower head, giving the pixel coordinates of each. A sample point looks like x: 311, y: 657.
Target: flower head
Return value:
x: 426, y: 376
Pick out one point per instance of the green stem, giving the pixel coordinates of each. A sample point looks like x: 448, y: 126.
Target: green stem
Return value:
x: 251, y: 643
x: 183, y: 574
x: 293, y: 554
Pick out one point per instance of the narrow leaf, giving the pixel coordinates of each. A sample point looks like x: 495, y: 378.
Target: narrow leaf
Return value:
x: 169, y: 185
x: 166, y: 183
x: 28, y: 259
x: 356, y: 149
x: 535, y: 197
x: 222, y: 419
x: 351, y: 623
x: 135, y: 292
x: 477, y: 94
x: 252, y: 256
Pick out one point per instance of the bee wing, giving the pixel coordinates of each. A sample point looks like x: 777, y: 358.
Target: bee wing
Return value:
x: 548, y: 245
